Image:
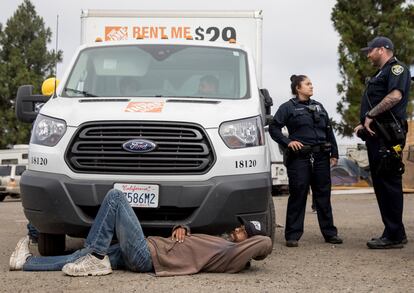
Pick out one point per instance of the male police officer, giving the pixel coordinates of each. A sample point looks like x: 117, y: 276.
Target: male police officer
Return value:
x: 383, y: 126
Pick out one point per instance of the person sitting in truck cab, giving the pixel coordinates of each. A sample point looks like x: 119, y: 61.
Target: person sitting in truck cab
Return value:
x: 208, y: 86
x: 128, y: 86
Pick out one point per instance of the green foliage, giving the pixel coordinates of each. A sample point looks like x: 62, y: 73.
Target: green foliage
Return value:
x: 358, y: 22
x: 24, y: 59
x: 12, y: 131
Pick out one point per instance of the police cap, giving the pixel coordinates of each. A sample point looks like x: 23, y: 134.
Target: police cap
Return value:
x: 379, y: 42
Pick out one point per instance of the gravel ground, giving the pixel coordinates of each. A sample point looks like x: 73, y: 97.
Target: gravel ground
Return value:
x: 314, y: 266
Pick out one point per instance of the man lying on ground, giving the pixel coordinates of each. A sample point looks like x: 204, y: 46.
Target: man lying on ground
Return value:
x: 181, y: 254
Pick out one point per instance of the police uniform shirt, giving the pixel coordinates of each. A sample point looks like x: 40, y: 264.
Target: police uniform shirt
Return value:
x: 302, y: 125
x: 394, y: 75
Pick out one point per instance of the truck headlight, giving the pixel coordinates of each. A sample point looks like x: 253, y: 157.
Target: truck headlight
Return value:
x: 47, y: 131
x: 242, y: 133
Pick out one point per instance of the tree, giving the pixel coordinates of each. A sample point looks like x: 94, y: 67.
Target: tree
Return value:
x: 24, y: 59
x: 358, y: 22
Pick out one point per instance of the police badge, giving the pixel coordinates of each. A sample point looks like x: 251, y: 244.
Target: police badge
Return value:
x: 397, y: 69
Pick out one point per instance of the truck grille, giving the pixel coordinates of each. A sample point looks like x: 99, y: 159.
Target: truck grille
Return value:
x: 182, y: 148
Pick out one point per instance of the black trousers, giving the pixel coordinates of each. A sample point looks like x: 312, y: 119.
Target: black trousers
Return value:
x: 302, y: 175
x: 389, y: 193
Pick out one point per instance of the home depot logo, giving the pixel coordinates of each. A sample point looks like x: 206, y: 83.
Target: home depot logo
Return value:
x: 145, y: 107
x: 116, y: 33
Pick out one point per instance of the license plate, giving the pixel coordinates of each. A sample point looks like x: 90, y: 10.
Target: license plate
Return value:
x: 140, y: 195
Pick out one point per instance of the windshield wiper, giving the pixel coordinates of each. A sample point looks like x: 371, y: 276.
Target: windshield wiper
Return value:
x: 196, y: 97
x: 84, y: 93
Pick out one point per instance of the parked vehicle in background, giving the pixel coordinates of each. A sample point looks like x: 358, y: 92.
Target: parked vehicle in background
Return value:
x: 13, y: 162
x: 280, y: 181
x: 18, y: 154
x: 10, y: 180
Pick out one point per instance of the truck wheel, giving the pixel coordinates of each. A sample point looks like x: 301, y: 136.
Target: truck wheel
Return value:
x: 271, y: 218
x: 2, y: 196
x: 51, y: 244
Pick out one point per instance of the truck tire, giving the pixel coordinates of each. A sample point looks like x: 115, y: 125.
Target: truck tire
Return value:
x: 271, y: 218
x: 2, y: 196
x: 51, y: 244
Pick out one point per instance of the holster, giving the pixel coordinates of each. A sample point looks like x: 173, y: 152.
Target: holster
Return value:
x: 392, y: 132
x: 390, y: 163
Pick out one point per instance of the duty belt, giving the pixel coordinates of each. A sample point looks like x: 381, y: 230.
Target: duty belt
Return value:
x: 312, y: 149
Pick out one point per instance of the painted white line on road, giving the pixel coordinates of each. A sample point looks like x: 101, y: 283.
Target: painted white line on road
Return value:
x: 354, y: 191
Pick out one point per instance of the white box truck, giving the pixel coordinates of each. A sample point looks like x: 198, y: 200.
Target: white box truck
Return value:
x: 214, y: 26
x: 244, y: 26
x: 167, y: 108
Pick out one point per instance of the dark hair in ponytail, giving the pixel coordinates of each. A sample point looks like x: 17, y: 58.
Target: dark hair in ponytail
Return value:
x: 296, y: 80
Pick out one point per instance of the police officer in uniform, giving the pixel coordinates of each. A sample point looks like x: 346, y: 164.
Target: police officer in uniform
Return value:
x: 310, y: 150
x: 383, y: 120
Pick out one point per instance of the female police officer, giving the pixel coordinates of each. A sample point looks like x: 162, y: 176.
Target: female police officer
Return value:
x: 311, y: 148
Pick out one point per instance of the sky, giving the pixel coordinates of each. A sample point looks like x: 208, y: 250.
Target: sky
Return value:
x: 298, y: 38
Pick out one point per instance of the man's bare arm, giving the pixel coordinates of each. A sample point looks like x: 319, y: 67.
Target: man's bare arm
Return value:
x: 387, y: 103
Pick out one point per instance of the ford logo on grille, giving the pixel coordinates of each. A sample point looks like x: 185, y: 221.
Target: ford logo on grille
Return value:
x: 139, y: 146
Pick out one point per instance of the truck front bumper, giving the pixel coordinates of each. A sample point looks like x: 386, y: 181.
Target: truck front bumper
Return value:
x: 57, y: 204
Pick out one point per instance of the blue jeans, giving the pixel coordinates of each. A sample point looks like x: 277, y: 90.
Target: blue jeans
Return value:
x: 32, y: 232
x: 114, y: 216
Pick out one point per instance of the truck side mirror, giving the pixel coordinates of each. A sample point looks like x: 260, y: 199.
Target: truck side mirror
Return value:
x: 268, y: 103
x: 28, y: 105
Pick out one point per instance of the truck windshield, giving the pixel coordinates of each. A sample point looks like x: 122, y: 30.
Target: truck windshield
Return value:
x: 159, y: 71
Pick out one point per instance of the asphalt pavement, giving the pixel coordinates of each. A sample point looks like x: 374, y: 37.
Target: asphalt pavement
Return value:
x: 314, y: 266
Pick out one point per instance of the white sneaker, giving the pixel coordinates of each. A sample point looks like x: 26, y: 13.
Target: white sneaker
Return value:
x: 20, y: 254
x: 88, y: 265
